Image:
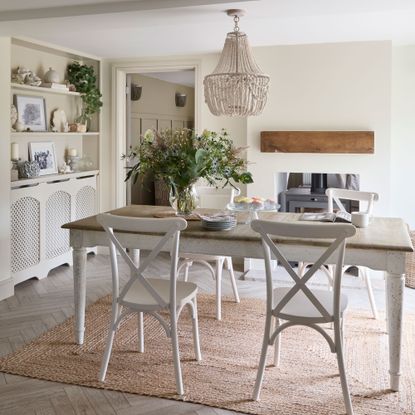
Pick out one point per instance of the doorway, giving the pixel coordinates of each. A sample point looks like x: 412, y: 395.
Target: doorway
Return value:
x: 119, y: 110
x: 156, y: 101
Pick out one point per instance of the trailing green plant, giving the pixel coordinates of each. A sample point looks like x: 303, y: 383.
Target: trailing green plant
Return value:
x: 84, y: 79
x: 181, y: 157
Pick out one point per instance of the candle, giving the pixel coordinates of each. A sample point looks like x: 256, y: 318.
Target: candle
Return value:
x: 72, y: 152
x: 15, y: 151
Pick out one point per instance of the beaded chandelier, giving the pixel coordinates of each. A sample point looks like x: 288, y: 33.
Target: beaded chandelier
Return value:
x: 237, y: 87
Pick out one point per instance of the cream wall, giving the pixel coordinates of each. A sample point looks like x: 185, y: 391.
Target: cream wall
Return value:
x: 107, y: 145
x: 403, y: 133
x: 158, y: 100
x: 6, y: 283
x: 343, y: 86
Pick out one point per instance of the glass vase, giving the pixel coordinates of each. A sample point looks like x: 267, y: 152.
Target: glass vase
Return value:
x: 184, y: 200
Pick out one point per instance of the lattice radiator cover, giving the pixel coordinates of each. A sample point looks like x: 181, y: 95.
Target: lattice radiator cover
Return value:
x: 58, y: 212
x: 85, y: 202
x: 25, y: 233
x: 38, y: 243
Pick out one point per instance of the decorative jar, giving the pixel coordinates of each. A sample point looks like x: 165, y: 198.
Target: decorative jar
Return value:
x: 51, y: 76
x: 28, y: 169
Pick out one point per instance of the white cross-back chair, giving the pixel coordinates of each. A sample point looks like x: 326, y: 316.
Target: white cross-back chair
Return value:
x: 300, y: 305
x: 210, y: 197
x: 149, y: 295
x: 366, y: 201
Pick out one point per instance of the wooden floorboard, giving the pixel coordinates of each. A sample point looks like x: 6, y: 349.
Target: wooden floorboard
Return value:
x: 39, y: 305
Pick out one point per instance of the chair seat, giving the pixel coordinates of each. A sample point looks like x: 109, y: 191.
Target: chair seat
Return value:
x: 200, y: 257
x: 138, y: 297
x: 301, y: 308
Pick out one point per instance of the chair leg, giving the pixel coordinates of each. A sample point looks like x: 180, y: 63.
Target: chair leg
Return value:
x: 141, y: 332
x: 186, y: 264
x: 186, y: 270
x: 340, y: 360
x: 301, y: 268
x: 229, y: 266
x: 277, y: 347
x: 262, y: 360
x: 366, y: 279
x: 218, y: 275
x: 110, y: 341
x: 176, y: 357
x: 329, y: 271
x: 195, y: 329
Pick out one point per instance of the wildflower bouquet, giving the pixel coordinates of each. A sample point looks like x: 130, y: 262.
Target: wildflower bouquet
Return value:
x: 180, y: 158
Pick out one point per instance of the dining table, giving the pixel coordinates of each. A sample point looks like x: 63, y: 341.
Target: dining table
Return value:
x: 383, y: 245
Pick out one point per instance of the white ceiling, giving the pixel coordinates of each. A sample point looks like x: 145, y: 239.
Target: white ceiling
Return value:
x: 117, y: 29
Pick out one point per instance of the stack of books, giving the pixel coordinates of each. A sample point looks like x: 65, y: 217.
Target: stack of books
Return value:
x: 54, y: 85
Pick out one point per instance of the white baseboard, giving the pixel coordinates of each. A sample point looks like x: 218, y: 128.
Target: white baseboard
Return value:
x: 6, y: 288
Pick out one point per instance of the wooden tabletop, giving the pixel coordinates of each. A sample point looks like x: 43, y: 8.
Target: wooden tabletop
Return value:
x: 389, y: 234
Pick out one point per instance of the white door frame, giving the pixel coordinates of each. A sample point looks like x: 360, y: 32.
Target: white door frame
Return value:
x: 119, y: 77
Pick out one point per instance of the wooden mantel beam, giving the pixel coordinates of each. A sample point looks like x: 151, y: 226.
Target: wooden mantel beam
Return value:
x: 351, y: 142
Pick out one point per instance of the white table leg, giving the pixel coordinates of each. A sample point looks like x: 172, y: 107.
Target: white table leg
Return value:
x: 79, y: 280
x: 394, y: 287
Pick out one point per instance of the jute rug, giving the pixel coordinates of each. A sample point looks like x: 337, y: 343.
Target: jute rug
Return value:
x: 305, y: 383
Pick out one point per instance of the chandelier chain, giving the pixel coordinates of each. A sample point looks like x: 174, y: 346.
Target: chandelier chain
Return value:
x: 236, y: 21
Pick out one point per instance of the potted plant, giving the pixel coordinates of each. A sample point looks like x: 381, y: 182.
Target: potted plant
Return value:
x: 180, y: 158
x: 84, y: 79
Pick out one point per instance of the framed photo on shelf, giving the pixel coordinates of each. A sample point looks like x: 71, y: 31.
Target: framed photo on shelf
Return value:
x: 31, y: 112
x: 44, y: 154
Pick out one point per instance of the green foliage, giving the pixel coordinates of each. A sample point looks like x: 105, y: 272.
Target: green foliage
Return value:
x: 181, y: 157
x: 84, y: 79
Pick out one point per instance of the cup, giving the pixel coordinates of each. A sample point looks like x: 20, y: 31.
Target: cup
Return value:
x: 360, y: 219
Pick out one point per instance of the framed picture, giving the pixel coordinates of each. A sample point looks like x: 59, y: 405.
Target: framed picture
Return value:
x: 32, y: 112
x: 44, y: 154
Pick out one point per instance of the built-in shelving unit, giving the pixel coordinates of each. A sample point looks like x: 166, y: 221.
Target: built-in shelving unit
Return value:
x: 40, y: 205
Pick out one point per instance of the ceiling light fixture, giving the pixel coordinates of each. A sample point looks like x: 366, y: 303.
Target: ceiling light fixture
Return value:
x: 237, y: 87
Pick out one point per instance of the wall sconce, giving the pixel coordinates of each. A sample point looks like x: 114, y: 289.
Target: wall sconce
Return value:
x: 136, y: 92
x: 180, y: 99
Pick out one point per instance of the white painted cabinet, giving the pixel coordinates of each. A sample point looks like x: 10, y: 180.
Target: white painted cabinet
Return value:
x: 39, y: 207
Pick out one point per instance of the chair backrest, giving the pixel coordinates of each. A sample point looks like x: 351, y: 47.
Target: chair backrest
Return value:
x: 216, y: 198
x: 169, y: 231
x: 335, y: 232
x: 334, y: 195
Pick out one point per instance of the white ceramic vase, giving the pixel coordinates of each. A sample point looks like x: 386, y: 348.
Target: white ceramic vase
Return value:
x: 52, y: 76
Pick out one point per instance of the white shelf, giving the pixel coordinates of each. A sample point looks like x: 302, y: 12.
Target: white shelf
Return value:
x: 48, y: 134
x: 43, y: 90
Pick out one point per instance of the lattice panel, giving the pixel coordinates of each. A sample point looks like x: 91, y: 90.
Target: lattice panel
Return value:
x: 58, y: 212
x: 85, y: 202
x: 25, y: 233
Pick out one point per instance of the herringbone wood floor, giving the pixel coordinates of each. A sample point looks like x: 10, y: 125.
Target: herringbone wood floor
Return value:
x: 39, y: 305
